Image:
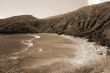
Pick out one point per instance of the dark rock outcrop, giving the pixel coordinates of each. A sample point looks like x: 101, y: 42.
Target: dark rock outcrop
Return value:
x: 91, y: 22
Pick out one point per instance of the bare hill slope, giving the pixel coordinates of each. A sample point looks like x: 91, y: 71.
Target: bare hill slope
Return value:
x: 91, y: 22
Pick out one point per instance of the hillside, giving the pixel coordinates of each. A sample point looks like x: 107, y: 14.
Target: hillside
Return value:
x: 16, y: 24
x: 91, y: 22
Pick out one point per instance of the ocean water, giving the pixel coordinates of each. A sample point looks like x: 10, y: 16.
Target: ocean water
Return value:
x: 42, y: 49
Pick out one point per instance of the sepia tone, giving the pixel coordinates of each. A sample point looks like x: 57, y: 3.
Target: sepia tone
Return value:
x: 75, y: 42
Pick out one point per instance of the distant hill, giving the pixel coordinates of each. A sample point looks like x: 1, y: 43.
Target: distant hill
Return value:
x: 18, y: 24
x: 91, y: 22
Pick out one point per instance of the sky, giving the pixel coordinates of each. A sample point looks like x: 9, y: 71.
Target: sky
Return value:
x: 39, y: 8
x: 90, y: 2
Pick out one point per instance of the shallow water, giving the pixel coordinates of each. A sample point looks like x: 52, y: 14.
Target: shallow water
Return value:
x: 36, y: 49
x: 44, y: 49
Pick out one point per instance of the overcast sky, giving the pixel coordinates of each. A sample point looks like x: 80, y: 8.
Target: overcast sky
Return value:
x: 39, y: 8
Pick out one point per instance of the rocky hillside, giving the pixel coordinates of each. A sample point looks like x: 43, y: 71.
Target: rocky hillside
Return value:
x: 91, y: 22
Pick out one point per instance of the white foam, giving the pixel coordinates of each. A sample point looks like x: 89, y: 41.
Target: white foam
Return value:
x: 36, y: 36
x: 88, y: 51
x: 29, y: 43
x: 14, y: 57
